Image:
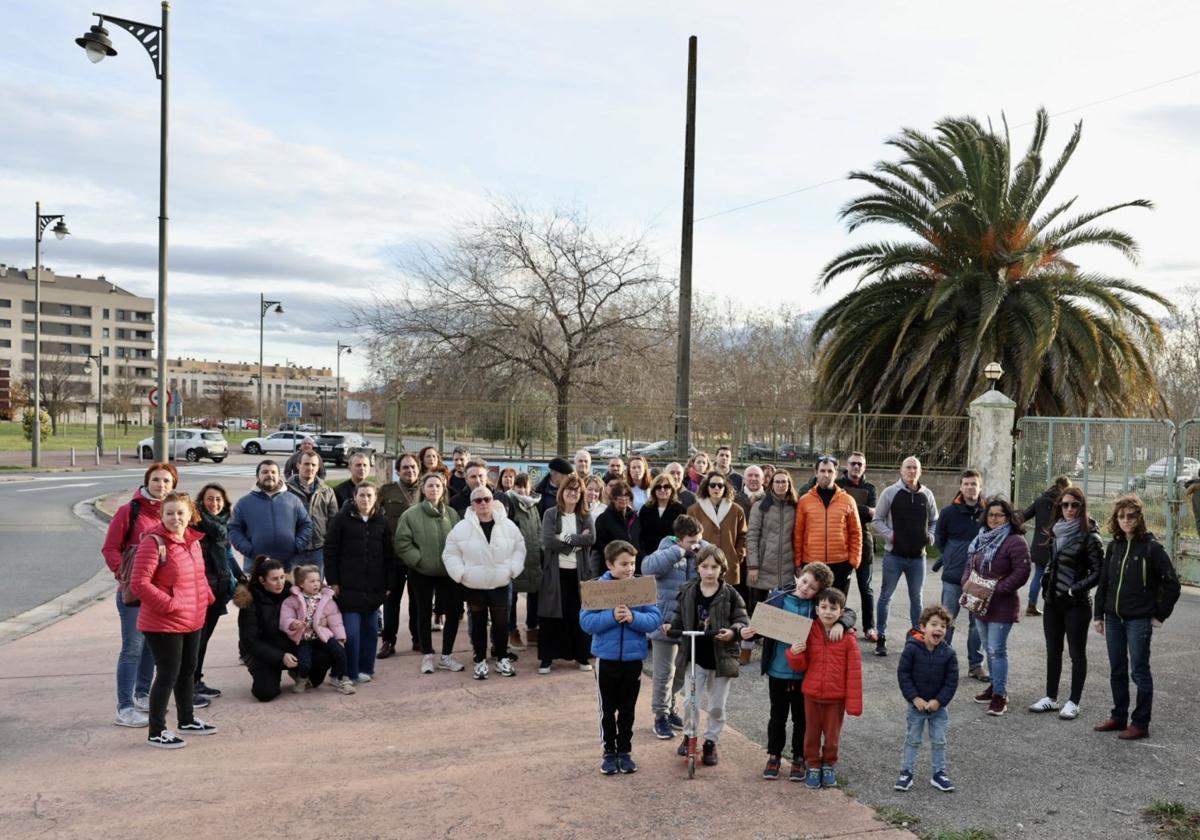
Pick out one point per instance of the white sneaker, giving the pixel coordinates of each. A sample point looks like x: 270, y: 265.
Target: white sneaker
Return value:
x: 141, y: 702
x: 544, y: 669
x: 427, y: 663
x: 447, y: 662
x: 1070, y: 711
x: 505, y: 668
x: 1046, y: 704
x: 481, y: 670
x: 131, y: 717
x: 435, y: 626
x: 301, y: 686
x: 346, y: 685
x: 364, y: 678
x: 585, y: 666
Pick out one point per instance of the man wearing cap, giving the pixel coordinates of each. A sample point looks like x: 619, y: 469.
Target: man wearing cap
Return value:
x: 547, y: 488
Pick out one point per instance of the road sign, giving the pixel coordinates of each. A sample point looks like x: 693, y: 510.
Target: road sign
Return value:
x: 175, y: 403
x: 294, y: 409
x: 153, y: 397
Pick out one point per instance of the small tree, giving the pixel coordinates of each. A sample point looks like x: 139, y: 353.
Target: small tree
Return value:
x: 122, y: 396
x: 27, y: 423
x: 62, y: 389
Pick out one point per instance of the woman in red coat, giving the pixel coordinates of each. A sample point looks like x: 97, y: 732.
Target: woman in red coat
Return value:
x: 168, y: 578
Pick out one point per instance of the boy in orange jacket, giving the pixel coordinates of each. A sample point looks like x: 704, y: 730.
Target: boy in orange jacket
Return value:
x: 832, y: 688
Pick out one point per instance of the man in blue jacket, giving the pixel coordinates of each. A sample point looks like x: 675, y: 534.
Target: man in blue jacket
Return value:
x: 957, y: 525
x: 269, y: 520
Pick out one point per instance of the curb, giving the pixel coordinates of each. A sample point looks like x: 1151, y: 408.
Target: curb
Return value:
x: 96, y: 588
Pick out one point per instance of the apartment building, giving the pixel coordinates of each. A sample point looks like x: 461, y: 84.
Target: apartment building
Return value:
x: 201, y: 384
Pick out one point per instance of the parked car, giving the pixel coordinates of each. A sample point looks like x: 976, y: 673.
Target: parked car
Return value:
x: 309, y: 427
x: 1156, y: 473
x: 274, y: 442
x: 756, y: 451
x: 662, y: 449
x: 190, y: 444
x: 607, y: 448
x: 337, y: 447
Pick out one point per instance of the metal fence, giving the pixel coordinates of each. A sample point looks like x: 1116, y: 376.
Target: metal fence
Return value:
x: 756, y: 433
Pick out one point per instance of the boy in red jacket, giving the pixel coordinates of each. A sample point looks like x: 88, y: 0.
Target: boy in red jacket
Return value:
x: 832, y: 687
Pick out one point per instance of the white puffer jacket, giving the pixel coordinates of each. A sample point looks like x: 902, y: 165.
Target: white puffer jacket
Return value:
x: 476, y: 563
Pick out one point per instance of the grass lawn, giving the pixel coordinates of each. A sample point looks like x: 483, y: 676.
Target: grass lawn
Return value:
x: 83, y: 437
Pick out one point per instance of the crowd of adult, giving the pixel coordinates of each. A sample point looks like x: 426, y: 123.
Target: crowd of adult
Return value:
x: 439, y: 538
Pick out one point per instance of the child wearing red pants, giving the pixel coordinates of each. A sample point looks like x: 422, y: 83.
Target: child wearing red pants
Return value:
x: 832, y: 688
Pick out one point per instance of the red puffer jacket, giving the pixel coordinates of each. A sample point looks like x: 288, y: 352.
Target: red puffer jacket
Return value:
x: 832, y: 670
x: 175, y: 594
x: 149, y: 515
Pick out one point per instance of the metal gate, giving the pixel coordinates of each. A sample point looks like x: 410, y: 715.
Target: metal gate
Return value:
x: 1187, y: 506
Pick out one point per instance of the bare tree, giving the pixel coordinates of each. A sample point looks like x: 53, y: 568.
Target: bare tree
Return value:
x: 123, y: 394
x: 227, y: 395
x: 62, y: 389
x: 1177, y: 365
x: 545, y: 297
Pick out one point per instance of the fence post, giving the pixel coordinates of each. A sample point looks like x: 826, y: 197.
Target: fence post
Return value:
x: 97, y: 456
x: 990, y: 440
x: 72, y: 456
x: 118, y: 454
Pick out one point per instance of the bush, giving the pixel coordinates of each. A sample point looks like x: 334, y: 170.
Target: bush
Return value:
x: 27, y: 423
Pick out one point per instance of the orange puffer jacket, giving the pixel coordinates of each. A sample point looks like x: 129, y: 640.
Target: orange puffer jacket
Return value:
x: 832, y: 670
x: 827, y: 534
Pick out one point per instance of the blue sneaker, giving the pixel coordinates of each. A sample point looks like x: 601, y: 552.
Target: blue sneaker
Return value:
x: 905, y: 781
x: 828, y: 777
x: 609, y: 765
x: 940, y: 781
x: 675, y: 720
x: 662, y: 729
x: 625, y: 763
x: 813, y: 777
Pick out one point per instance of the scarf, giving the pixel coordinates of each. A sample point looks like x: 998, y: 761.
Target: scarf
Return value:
x: 1065, y: 530
x: 986, y: 543
x: 715, y: 514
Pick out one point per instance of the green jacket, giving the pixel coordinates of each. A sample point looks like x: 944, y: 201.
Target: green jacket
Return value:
x: 421, y: 537
x: 394, y: 499
x: 529, y: 521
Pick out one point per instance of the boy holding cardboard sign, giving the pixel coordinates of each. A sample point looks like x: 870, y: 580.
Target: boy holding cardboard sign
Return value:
x: 785, y: 682
x: 620, y: 646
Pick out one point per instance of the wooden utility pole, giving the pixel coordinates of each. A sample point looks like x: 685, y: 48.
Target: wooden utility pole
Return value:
x: 683, y: 365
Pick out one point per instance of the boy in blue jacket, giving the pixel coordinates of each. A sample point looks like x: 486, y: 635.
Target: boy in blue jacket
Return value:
x: 928, y: 676
x: 620, y: 646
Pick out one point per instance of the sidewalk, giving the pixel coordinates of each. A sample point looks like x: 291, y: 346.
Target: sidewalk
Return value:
x: 408, y: 756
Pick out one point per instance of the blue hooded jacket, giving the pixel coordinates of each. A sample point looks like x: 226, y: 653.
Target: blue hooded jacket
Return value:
x: 672, y: 570
x: 278, y: 526
x: 957, y: 525
x: 619, y: 642
x: 928, y: 674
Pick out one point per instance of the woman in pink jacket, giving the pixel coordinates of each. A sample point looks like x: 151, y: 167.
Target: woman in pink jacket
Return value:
x: 168, y: 578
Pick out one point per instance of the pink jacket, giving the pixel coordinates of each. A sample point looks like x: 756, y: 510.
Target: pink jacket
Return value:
x: 175, y: 595
x: 327, y: 620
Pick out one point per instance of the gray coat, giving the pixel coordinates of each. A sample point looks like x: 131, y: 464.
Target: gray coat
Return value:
x: 321, y: 505
x: 769, y: 543
x: 549, y: 596
x: 728, y: 610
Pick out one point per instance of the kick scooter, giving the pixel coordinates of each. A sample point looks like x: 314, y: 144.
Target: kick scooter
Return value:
x: 693, y: 706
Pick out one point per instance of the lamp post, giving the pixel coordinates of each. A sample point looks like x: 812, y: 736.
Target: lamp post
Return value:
x: 99, y: 360
x: 264, y: 306
x: 993, y: 372
x: 341, y: 348
x: 60, y: 230
x: 154, y: 39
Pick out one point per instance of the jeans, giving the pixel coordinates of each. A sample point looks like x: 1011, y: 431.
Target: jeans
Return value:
x: 994, y: 635
x: 135, y: 662
x: 1065, y: 616
x: 362, y: 631
x: 712, y: 692
x: 667, y: 676
x: 951, y: 592
x: 175, y: 658
x: 1128, y: 643
x: 1035, y: 583
x: 939, y: 722
x: 312, y: 557
x: 913, y: 569
x: 306, y: 655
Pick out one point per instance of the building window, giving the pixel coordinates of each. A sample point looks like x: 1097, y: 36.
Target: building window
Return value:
x: 5, y: 323
x: 5, y: 303
x: 104, y: 331
x: 4, y: 342
x: 104, y: 352
x: 106, y: 314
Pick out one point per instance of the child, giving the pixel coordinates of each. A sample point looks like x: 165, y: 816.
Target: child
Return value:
x: 928, y: 676
x: 784, y: 682
x: 619, y: 645
x: 711, y: 605
x: 832, y: 687
x: 311, y: 617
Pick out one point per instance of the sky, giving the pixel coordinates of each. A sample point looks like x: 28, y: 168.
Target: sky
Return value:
x: 313, y: 145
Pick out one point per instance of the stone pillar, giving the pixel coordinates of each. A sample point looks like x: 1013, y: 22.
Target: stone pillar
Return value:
x: 990, y: 447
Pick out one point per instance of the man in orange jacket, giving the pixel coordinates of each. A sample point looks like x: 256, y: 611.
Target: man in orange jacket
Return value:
x: 827, y: 527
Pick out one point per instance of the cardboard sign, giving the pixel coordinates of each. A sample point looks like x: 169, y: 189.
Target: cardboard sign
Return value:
x: 779, y: 624
x: 609, y: 594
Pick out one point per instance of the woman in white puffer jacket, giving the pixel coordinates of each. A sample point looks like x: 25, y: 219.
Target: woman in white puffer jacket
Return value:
x: 485, y: 552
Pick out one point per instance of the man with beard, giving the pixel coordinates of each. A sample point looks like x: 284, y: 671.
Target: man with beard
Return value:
x: 395, y: 497
x: 269, y: 520
x: 319, y: 501
x: 477, y: 475
x: 827, y: 527
x: 360, y: 471
x: 854, y: 481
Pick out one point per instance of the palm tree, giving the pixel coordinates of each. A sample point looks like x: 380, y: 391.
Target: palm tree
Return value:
x: 986, y: 279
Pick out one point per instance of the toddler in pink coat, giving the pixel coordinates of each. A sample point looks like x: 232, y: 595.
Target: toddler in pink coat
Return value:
x: 311, y: 618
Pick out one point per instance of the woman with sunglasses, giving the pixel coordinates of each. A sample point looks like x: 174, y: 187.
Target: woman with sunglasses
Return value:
x: 656, y: 518
x: 723, y: 521
x: 998, y: 553
x: 619, y: 521
x: 1072, y: 569
x: 1137, y: 591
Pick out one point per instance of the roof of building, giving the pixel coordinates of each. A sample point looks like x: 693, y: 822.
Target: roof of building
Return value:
x: 75, y: 283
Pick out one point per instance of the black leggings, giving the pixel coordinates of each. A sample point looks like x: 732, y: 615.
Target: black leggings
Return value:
x: 215, y: 611
x: 266, y: 679
x: 482, y: 602
x: 174, y: 667
x: 449, y: 598
x: 1064, y: 616
x: 391, y: 610
x: 786, y: 698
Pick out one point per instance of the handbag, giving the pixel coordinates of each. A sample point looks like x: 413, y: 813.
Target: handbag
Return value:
x: 977, y: 594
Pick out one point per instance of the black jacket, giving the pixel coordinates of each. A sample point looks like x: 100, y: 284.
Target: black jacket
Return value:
x: 344, y: 492
x: 359, y: 559
x: 215, y: 546
x: 260, y: 641
x: 1073, y: 570
x: 1041, y: 512
x: 611, y: 526
x: 652, y: 528
x: 866, y: 497
x: 1137, y: 581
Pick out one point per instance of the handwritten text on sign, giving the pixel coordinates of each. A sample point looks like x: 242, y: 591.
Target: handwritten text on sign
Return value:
x: 609, y: 594
x: 778, y: 624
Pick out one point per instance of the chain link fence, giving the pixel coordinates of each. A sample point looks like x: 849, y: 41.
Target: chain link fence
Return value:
x: 1187, y: 481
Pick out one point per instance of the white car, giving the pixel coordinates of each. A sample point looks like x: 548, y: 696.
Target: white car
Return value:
x: 190, y: 444
x: 607, y: 448
x: 274, y: 442
x: 1156, y: 473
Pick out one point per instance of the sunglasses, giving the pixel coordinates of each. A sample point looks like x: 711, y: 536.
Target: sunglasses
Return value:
x: 661, y: 488
x: 1129, y: 514
x: 1071, y: 505
x: 482, y: 500
x: 827, y: 459
x: 716, y: 487
x: 856, y: 463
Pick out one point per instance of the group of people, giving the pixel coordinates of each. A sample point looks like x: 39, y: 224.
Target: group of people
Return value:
x: 320, y: 562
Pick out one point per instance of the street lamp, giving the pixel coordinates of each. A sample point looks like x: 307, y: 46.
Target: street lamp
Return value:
x: 341, y: 348
x: 264, y: 306
x: 154, y: 39
x: 993, y: 372
x: 99, y: 360
x: 59, y: 230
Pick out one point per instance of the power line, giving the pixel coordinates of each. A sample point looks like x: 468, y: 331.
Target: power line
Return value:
x: 789, y: 193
